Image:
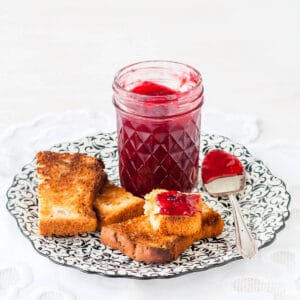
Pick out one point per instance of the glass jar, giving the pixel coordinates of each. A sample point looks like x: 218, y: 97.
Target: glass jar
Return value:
x: 158, y: 106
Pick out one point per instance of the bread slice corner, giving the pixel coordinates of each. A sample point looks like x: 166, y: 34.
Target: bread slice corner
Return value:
x: 114, y: 204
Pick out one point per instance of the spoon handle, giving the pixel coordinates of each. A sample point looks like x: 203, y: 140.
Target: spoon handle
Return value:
x: 244, y: 240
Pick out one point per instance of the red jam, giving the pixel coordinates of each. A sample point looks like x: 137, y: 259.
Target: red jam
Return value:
x: 159, y: 153
x: 218, y: 164
x: 158, y: 126
x: 152, y: 89
x: 177, y: 204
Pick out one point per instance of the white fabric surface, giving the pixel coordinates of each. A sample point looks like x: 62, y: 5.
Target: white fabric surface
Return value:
x: 62, y: 54
x: 24, y: 274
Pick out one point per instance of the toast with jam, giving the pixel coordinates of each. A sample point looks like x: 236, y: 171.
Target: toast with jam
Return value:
x: 173, y: 212
x: 75, y: 197
x: 137, y: 239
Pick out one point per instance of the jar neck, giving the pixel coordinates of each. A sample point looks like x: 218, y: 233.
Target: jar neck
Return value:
x: 183, y: 81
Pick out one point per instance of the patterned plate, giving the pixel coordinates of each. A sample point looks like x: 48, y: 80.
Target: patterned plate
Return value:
x: 264, y: 204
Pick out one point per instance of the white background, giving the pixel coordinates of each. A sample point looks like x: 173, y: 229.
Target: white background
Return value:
x: 61, y: 55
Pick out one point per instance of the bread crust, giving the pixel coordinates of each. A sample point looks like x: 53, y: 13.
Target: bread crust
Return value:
x: 138, y: 240
x: 65, y: 227
x: 178, y: 225
x: 67, y: 187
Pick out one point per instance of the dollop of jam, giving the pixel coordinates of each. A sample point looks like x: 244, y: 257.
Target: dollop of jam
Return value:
x: 153, y: 89
x: 218, y: 164
x: 178, y: 204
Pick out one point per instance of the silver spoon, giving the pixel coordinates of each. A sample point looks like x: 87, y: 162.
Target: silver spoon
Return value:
x: 223, y: 175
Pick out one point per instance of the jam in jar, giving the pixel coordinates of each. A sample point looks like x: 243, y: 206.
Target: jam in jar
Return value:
x: 158, y: 106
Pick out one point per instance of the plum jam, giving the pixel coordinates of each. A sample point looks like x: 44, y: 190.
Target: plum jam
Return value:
x: 177, y: 204
x: 158, y: 107
x: 218, y: 163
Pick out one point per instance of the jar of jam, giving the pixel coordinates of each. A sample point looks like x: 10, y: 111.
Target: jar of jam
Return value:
x: 158, y: 106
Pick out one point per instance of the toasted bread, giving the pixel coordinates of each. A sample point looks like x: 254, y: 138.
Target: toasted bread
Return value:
x: 138, y: 240
x: 114, y: 204
x: 67, y: 187
x: 172, y: 224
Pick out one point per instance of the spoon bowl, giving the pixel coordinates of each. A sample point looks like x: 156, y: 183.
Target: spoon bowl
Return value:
x: 224, y: 175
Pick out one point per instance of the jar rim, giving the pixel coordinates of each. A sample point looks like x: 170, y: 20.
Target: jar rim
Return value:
x: 172, y: 97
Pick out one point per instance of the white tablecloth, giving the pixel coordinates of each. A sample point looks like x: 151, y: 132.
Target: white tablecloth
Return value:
x: 61, y: 55
x: 24, y: 274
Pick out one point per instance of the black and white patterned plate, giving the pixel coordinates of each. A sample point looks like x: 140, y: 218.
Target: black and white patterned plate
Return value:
x: 264, y: 204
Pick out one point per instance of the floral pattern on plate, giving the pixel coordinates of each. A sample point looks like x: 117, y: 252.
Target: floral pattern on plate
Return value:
x: 264, y: 204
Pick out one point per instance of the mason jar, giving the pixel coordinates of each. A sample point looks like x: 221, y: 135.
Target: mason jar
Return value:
x: 158, y: 105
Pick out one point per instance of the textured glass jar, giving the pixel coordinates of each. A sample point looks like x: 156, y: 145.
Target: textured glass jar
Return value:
x: 158, y: 134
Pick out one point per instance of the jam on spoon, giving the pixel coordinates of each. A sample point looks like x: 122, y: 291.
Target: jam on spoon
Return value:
x: 224, y: 175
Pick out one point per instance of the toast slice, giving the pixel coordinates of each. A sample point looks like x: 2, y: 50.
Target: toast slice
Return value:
x: 138, y: 240
x: 67, y: 187
x: 182, y: 212
x: 114, y: 204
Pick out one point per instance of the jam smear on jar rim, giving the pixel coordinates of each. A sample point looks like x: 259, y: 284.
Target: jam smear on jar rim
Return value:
x: 149, y: 88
